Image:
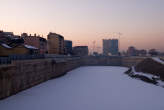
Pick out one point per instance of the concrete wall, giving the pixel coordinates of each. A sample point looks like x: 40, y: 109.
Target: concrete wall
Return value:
x: 102, y: 61
x: 131, y: 61
x: 21, y: 75
x: 24, y: 74
x: 112, y: 61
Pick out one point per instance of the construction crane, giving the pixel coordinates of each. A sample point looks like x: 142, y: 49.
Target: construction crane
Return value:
x: 119, y: 38
x: 98, y: 48
x: 94, y: 42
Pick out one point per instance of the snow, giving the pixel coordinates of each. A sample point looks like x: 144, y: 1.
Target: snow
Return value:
x: 5, y: 45
x: 150, y: 76
x: 158, y: 60
x: 30, y: 47
x: 89, y: 88
x: 160, y: 83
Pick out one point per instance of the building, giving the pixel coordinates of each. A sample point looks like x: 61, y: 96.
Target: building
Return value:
x: 55, y: 43
x: 110, y: 47
x: 35, y: 41
x: 132, y: 51
x: 80, y: 50
x: 142, y: 52
x: 153, y: 52
x: 68, y: 47
x: 6, y: 50
x: 6, y: 37
x: 10, y: 39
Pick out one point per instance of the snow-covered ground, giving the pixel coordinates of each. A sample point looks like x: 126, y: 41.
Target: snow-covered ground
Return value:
x: 89, y: 88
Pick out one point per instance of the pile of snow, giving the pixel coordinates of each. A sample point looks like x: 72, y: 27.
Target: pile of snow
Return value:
x: 158, y: 60
x: 26, y: 46
x: 89, y: 88
x: 5, y: 45
x: 160, y: 83
x: 30, y: 47
x: 150, y: 76
x: 154, y: 66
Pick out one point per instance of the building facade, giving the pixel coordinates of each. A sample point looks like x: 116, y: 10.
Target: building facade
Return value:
x: 132, y: 51
x: 67, y: 47
x: 110, y: 46
x: 6, y: 37
x: 36, y: 41
x: 81, y: 50
x: 6, y: 50
x: 55, y: 43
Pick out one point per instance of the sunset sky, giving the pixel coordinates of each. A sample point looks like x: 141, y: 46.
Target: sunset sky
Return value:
x: 85, y: 21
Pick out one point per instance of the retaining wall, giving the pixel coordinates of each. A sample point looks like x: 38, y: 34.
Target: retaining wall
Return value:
x: 131, y: 61
x: 102, y: 61
x: 24, y: 74
x: 20, y: 75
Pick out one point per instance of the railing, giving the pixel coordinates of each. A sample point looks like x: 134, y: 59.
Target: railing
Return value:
x: 26, y: 57
x: 5, y: 60
x: 9, y: 59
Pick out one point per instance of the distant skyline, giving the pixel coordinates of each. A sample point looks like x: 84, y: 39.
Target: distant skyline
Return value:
x: 85, y: 21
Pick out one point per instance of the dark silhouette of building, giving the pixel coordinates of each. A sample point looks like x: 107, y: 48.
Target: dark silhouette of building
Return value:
x: 68, y: 47
x: 142, y: 52
x: 10, y: 39
x: 153, y: 52
x: 6, y: 37
x: 110, y: 47
x: 132, y: 51
x: 80, y: 50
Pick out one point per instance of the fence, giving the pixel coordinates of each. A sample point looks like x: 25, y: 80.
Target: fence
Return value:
x: 9, y: 59
x: 5, y: 60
